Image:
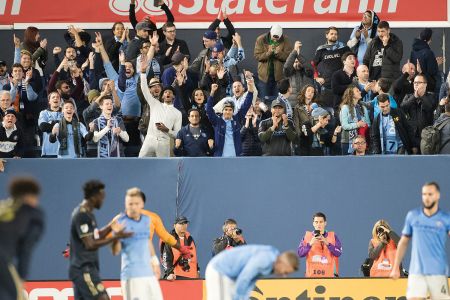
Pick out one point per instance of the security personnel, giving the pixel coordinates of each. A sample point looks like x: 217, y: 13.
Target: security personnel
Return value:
x: 174, y: 265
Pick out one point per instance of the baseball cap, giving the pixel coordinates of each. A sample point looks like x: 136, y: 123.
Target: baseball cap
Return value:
x: 218, y: 47
x: 178, y: 57
x: 142, y: 26
x: 181, y: 220
x: 154, y: 81
x: 276, y: 30
x: 210, y: 35
x: 2, y: 63
x: 278, y: 102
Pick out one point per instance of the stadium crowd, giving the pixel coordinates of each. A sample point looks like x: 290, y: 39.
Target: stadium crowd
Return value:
x: 148, y: 95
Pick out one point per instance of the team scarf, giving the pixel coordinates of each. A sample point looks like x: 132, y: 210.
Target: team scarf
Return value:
x: 64, y: 133
x: 108, y: 145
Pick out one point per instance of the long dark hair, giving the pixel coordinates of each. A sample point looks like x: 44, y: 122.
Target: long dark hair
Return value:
x: 301, y: 96
x: 347, y: 99
x: 29, y: 39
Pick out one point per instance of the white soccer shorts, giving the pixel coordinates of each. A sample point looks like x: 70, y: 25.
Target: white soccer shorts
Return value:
x: 419, y: 286
x: 142, y: 288
x: 218, y: 286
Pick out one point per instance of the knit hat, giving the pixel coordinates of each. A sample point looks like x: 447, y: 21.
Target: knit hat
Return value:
x: 2, y: 63
x: 168, y: 88
x: 276, y: 30
x: 210, y: 35
x: 319, y: 112
x: 92, y: 95
x: 425, y: 35
x: 11, y: 111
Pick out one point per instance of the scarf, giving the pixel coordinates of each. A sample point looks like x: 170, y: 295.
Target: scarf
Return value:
x: 373, y: 30
x: 63, y: 136
x: 390, y: 143
x: 108, y: 145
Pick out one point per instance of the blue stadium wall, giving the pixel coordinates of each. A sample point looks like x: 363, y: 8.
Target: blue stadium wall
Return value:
x: 273, y: 199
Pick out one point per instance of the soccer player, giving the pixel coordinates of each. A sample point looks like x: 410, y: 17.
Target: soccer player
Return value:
x: 86, y: 239
x: 428, y: 227
x: 21, y: 226
x: 140, y: 269
x: 232, y: 274
x: 157, y: 226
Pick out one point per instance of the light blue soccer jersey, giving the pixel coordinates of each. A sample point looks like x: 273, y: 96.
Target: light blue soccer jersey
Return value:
x: 245, y: 264
x: 429, y: 234
x: 135, y: 249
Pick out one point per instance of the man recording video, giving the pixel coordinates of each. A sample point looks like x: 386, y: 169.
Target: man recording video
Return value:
x: 232, y: 237
x: 321, y: 249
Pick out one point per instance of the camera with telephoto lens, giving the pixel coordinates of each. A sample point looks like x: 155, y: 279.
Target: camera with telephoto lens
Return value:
x: 238, y: 231
x: 380, y: 230
x: 184, y: 263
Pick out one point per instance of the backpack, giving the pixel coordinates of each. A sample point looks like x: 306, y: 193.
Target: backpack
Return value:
x: 430, y: 142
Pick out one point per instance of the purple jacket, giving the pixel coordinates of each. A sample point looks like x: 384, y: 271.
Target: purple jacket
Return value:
x: 336, y: 250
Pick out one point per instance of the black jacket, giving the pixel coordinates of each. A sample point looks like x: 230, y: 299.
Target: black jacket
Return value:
x: 279, y: 142
x: 306, y: 139
x: 227, y: 41
x: 402, y: 127
x: 401, y: 87
x: 13, y: 145
x: 445, y: 134
x: 223, y: 242
x: 251, y: 146
x: 421, y: 51
x: 393, y: 53
x: 327, y: 60
x: 419, y: 112
x: 163, y: 46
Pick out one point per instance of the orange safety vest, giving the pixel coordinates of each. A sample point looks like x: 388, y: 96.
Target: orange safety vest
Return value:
x: 178, y: 270
x: 320, y: 262
x: 382, y: 266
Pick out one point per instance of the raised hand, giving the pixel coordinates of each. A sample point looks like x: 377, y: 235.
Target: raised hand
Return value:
x: 57, y: 50
x: 154, y: 39
x: 29, y: 75
x: 214, y: 88
x: 43, y: 44
x: 16, y: 41
x: 98, y: 38
x: 122, y: 57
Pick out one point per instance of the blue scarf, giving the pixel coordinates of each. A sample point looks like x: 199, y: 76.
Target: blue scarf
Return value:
x: 390, y: 143
x: 108, y: 145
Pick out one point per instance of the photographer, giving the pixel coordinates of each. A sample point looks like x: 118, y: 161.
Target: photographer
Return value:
x: 382, y: 249
x: 174, y: 265
x: 232, y: 237
x: 321, y: 249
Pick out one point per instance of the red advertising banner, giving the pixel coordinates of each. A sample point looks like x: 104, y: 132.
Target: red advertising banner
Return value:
x: 195, y: 13
x: 62, y: 290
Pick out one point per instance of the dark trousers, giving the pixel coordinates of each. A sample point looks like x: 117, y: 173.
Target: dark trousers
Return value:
x: 133, y: 146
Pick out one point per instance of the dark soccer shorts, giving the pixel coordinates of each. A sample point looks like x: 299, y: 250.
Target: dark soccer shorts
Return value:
x: 87, y: 284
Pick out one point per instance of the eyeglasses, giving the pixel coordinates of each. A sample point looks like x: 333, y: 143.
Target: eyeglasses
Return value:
x: 359, y: 143
x: 275, y: 37
x: 418, y: 82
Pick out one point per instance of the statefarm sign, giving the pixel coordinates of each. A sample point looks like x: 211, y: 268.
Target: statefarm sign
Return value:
x: 196, y: 13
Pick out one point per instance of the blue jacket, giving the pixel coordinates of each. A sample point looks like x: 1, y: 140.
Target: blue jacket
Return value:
x: 220, y: 126
x: 190, y: 146
x: 245, y: 264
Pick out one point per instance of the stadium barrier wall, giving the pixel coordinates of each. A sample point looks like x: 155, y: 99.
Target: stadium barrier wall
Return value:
x: 266, y: 289
x: 272, y: 199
